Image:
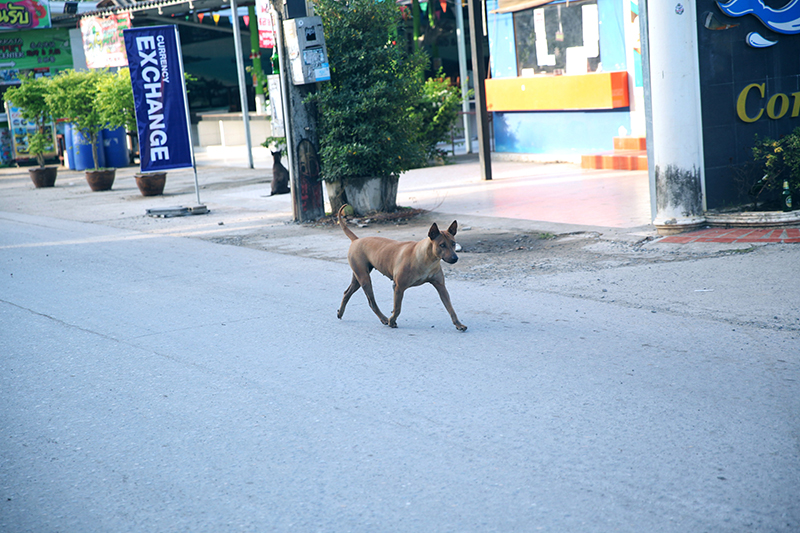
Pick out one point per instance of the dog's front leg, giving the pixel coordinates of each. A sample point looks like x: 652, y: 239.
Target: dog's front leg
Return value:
x: 445, y: 296
x: 398, y: 303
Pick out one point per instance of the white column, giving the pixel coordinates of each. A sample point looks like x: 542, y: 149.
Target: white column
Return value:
x: 677, y: 123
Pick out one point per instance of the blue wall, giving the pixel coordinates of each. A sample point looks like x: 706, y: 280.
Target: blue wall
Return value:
x: 541, y: 132
x: 558, y: 132
x: 503, y: 52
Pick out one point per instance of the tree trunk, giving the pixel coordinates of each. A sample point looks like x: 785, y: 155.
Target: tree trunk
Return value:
x: 336, y: 195
x: 93, y: 140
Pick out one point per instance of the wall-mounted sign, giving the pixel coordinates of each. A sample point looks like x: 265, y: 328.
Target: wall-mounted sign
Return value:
x: 102, y: 40
x: 785, y: 20
x: 25, y: 14
x: 40, y: 51
x: 266, y: 32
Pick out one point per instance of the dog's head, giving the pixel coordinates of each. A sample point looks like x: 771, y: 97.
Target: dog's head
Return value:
x: 444, y: 243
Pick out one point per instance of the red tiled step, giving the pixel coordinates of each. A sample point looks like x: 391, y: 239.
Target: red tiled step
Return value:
x: 782, y: 235
x: 617, y: 160
x: 630, y: 143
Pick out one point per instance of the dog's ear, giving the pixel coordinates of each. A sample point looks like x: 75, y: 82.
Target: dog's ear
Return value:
x: 434, y: 232
x: 453, y: 228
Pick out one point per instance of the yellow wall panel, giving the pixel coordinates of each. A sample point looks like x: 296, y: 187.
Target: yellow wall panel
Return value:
x: 604, y: 90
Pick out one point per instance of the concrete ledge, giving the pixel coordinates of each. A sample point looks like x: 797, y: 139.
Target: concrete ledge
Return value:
x: 674, y: 226
x: 536, y: 158
x: 753, y: 219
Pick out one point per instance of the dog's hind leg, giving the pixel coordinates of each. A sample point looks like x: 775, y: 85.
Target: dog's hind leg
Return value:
x: 354, y: 286
x: 366, y: 284
x: 398, y: 303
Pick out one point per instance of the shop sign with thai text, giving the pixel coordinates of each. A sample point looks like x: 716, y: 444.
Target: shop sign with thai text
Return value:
x: 25, y: 14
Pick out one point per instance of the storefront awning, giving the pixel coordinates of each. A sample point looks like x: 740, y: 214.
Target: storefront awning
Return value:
x: 510, y: 6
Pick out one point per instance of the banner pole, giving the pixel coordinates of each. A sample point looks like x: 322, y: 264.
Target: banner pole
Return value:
x: 188, y: 115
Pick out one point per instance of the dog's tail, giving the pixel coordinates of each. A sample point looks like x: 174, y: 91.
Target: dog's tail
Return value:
x: 343, y: 224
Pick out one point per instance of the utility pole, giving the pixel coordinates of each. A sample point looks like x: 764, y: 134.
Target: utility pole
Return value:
x: 299, y: 126
x: 237, y: 42
x: 476, y: 12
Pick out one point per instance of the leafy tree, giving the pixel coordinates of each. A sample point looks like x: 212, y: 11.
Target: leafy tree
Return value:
x: 72, y: 96
x: 115, y: 101
x: 29, y: 96
x: 367, y: 127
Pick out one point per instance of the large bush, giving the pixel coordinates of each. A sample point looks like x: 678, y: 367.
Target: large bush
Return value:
x: 366, y: 120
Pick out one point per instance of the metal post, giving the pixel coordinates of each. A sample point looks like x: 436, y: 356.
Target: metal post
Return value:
x: 287, y: 114
x: 188, y: 117
x: 462, y: 72
x: 479, y: 73
x: 237, y: 42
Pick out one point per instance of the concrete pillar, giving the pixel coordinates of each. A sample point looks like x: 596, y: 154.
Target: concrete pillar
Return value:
x: 677, y: 166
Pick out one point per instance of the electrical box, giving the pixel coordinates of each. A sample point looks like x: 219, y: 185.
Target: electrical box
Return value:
x: 305, y: 44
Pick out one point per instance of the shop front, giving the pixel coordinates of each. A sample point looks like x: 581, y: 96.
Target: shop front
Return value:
x: 565, y: 76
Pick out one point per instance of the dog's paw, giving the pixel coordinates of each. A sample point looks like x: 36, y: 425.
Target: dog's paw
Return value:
x: 461, y: 327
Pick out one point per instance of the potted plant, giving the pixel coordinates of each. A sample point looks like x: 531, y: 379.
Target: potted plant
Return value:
x: 29, y: 96
x: 72, y: 96
x: 368, y: 136
x: 116, y: 108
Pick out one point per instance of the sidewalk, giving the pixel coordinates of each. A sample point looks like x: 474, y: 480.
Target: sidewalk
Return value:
x: 532, y: 197
x: 557, y: 197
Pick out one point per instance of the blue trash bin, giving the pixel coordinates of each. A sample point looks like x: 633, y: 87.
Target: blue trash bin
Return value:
x: 115, y: 148
x: 68, y: 147
x: 82, y: 148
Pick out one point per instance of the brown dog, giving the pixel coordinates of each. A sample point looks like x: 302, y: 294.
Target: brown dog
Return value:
x: 408, y: 264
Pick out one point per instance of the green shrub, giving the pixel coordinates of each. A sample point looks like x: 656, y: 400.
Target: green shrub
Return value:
x: 437, y: 110
x: 780, y: 160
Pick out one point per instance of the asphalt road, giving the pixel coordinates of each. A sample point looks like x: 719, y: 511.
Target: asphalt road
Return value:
x: 161, y: 383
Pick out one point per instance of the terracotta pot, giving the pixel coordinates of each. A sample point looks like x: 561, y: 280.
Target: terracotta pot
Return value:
x: 43, y: 176
x: 152, y: 183
x: 102, y: 179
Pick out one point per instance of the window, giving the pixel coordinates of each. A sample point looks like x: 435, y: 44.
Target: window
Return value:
x: 558, y: 38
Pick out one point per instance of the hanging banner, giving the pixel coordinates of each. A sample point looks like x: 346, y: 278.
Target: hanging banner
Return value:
x: 266, y: 32
x: 25, y: 14
x: 159, y: 97
x: 102, y: 40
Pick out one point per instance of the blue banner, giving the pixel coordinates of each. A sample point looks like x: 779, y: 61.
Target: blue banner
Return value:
x: 159, y: 97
